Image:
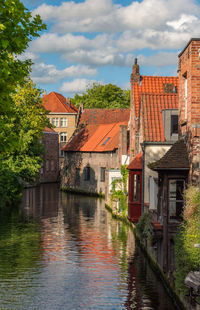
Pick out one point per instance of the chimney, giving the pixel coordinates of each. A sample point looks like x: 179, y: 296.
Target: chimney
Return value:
x: 122, y: 148
x: 135, y: 76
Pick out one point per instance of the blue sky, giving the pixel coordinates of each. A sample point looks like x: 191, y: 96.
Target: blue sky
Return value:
x: 90, y: 41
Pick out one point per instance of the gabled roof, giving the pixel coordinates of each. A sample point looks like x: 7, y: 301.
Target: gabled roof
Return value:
x: 151, y: 85
x: 151, y: 118
x: 136, y: 163
x: 95, y: 138
x: 55, y: 102
x: 176, y: 158
x: 104, y: 116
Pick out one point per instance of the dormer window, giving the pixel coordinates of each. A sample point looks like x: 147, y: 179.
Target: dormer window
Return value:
x: 170, y: 122
x: 170, y: 88
x: 174, y: 124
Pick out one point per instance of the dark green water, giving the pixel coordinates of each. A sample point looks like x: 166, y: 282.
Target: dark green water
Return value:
x: 65, y: 252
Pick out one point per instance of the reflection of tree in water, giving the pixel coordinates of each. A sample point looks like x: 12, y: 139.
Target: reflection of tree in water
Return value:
x: 119, y: 233
x: 19, y: 243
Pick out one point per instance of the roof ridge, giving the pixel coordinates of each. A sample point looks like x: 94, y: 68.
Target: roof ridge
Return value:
x: 160, y: 76
x: 60, y: 100
x: 159, y: 94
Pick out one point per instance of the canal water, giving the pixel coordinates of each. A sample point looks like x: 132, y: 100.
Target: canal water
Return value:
x: 61, y: 251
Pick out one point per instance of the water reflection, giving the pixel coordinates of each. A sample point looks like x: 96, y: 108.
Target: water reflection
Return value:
x: 67, y: 253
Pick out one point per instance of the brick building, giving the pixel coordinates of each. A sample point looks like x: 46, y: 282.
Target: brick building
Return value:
x: 153, y: 130
x: 98, y: 148
x: 62, y: 115
x: 50, y: 167
x: 141, y: 85
x: 189, y: 102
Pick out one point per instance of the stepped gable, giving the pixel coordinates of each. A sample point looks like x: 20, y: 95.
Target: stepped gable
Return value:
x: 151, y: 115
x: 104, y: 116
x: 55, y: 102
x: 95, y: 138
x: 152, y: 85
x: 176, y: 158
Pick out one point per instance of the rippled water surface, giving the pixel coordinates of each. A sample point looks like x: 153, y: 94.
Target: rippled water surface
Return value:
x: 65, y: 252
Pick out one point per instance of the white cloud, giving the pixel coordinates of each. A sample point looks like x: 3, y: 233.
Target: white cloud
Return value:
x: 183, y: 23
x: 46, y: 74
x: 77, y: 86
x: 104, y: 16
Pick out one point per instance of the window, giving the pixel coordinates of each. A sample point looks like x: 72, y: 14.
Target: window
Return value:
x: 55, y: 121
x: 47, y: 165
x: 63, y: 137
x: 63, y: 122
x: 77, y: 175
x: 52, y: 165
x: 86, y: 173
x: 174, y: 124
x: 62, y: 153
x: 176, y: 188
x: 136, y: 187
x: 185, y: 76
x: 103, y: 170
x: 107, y: 139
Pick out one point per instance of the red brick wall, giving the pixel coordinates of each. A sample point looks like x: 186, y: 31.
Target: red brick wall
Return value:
x: 50, y: 169
x: 189, y: 65
x: 135, y: 77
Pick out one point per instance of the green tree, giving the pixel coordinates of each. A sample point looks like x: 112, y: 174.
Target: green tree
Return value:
x: 21, y: 163
x: 17, y: 28
x: 103, y: 96
x: 186, y: 254
x: 19, y: 148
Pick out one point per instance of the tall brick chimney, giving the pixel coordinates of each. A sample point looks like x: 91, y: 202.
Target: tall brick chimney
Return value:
x: 123, y: 143
x: 135, y: 76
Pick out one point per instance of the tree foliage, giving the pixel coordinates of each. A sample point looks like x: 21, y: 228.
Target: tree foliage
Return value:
x: 103, y: 96
x: 21, y: 163
x: 186, y: 255
x: 17, y: 28
x: 21, y: 115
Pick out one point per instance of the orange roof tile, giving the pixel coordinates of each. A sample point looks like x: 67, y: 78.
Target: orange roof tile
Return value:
x: 47, y: 129
x: 55, y: 102
x: 151, y: 114
x: 104, y: 116
x: 151, y: 84
x: 95, y: 138
x: 136, y: 163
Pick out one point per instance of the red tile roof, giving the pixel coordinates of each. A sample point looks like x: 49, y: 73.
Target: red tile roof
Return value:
x: 151, y: 114
x: 55, y: 102
x: 47, y: 129
x: 104, y: 116
x: 95, y: 138
x: 151, y: 85
x: 136, y: 163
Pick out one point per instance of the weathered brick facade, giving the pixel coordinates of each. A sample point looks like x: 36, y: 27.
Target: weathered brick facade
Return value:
x: 50, y: 169
x: 189, y: 102
x: 77, y: 179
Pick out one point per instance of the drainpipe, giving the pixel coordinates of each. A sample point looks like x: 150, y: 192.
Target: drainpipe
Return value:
x: 143, y: 173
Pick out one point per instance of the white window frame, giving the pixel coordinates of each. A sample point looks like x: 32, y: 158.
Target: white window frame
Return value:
x: 63, y: 122
x: 63, y: 137
x: 55, y: 121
